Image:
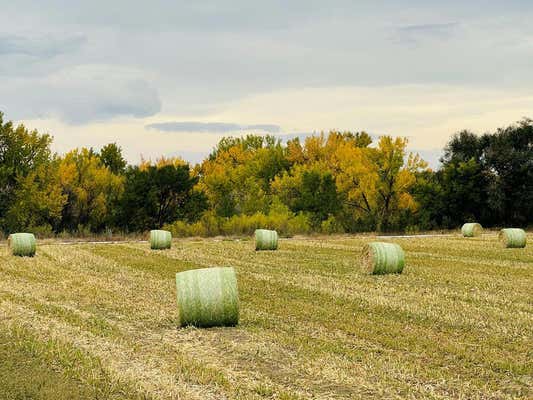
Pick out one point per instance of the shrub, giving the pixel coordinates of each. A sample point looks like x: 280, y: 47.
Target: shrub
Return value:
x: 299, y: 224
x: 42, y: 231
x: 286, y: 223
x: 331, y: 225
x: 211, y: 223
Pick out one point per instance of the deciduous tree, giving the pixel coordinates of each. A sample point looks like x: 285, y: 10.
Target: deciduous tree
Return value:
x: 91, y: 188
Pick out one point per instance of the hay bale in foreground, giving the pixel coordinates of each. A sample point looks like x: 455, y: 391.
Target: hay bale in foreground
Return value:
x: 22, y: 244
x: 266, y: 239
x: 513, y: 238
x: 208, y: 297
x: 383, y: 258
x: 471, y: 229
x: 160, y: 240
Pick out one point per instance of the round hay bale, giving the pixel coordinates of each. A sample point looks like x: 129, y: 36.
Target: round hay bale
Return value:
x: 471, y: 229
x: 383, y: 258
x: 160, y: 240
x: 22, y: 244
x: 208, y: 297
x: 266, y: 240
x: 513, y: 238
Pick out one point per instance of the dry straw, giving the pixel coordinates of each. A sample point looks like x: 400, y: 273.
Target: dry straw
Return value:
x: 513, y: 237
x: 471, y: 229
x: 160, y: 240
x: 208, y: 297
x: 383, y: 258
x: 266, y: 240
x: 22, y: 244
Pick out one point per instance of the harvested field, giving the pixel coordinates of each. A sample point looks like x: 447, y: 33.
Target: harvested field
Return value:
x: 100, y: 321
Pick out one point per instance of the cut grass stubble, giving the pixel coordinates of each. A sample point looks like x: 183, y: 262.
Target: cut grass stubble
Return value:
x: 312, y: 323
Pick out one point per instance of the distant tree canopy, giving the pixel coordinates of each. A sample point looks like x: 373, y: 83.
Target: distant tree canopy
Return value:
x: 111, y: 157
x: 29, y: 187
x: 338, y: 175
x: 92, y: 190
x: 155, y: 195
x: 335, y: 182
x: 486, y: 178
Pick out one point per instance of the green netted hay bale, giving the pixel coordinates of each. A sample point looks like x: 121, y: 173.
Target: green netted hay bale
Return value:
x: 208, y: 297
x: 471, y: 229
x: 22, y: 244
x: 513, y: 237
x: 383, y: 258
x: 266, y: 240
x: 160, y: 240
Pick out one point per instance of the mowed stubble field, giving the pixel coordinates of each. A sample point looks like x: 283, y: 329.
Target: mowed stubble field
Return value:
x: 98, y: 321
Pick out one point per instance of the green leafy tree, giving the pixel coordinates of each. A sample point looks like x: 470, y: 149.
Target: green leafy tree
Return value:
x: 111, y: 156
x: 508, y: 160
x: 311, y: 190
x: 488, y: 178
x: 427, y: 191
x: 155, y: 196
x: 22, y: 153
x: 37, y: 201
x: 464, y: 193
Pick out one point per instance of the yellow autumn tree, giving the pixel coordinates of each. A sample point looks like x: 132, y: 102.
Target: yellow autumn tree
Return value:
x: 376, y: 182
x: 161, y: 162
x: 295, y: 153
x: 38, y: 200
x: 396, y: 179
x: 91, y: 188
x: 356, y: 177
x: 237, y: 175
x: 340, y: 175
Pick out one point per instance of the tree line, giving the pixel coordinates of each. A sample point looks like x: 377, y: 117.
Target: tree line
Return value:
x: 335, y: 182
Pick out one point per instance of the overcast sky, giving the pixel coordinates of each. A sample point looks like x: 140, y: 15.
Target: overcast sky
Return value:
x: 172, y: 77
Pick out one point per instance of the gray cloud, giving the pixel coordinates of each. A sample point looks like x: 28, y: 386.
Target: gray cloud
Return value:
x: 40, y: 54
x: 40, y: 46
x: 429, y: 29
x: 210, y: 127
x: 414, y: 34
x: 81, y: 95
x: 263, y: 127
